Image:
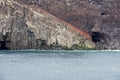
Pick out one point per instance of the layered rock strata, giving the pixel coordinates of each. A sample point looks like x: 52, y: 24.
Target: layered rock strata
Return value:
x: 100, y: 18
x: 29, y: 27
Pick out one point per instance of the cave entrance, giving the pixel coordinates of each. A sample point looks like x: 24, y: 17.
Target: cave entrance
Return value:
x: 97, y: 36
x: 3, y: 43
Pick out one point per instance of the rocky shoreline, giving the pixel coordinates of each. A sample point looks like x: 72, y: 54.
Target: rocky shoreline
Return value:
x: 99, y: 18
x: 60, y: 24
x: 25, y: 26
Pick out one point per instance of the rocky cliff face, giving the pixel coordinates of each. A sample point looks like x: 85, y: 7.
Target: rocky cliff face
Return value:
x: 25, y: 26
x: 100, y: 18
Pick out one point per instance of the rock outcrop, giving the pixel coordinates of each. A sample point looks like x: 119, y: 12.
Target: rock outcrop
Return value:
x: 100, y: 18
x: 25, y: 26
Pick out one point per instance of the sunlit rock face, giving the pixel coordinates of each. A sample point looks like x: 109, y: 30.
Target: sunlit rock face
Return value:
x: 100, y: 16
x: 24, y: 26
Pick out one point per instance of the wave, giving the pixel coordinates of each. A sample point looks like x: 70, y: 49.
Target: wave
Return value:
x: 58, y: 51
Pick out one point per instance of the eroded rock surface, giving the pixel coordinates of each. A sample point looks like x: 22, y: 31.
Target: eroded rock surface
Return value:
x: 29, y: 27
x: 100, y: 18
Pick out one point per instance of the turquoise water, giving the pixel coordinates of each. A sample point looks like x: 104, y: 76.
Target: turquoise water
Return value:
x: 60, y: 65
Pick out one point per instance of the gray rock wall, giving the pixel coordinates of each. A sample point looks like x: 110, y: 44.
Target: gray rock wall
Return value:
x: 29, y: 27
x: 91, y: 16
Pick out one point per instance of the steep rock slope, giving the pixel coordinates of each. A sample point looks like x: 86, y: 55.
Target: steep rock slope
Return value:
x: 100, y: 18
x: 29, y: 27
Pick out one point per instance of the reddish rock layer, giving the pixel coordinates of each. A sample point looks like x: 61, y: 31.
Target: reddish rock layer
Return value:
x: 36, y: 8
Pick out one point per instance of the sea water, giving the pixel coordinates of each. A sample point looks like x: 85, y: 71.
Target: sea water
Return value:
x: 59, y: 65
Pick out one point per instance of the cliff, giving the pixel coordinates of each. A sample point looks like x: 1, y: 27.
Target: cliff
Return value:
x: 24, y: 26
x: 99, y: 18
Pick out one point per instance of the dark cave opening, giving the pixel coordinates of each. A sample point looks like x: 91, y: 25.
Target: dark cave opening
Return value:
x: 3, y: 43
x: 97, y: 36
